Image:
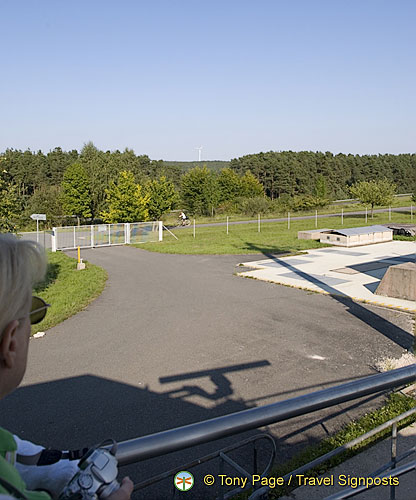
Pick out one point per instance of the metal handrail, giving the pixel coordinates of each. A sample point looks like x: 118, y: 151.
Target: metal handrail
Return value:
x: 221, y: 455
x: 180, y: 438
x: 352, y: 492
x: 347, y: 446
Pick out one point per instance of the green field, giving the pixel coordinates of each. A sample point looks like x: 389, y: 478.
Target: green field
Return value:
x: 275, y: 237
x: 66, y: 289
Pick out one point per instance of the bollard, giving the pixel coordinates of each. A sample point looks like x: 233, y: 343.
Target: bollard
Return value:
x: 80, y: 264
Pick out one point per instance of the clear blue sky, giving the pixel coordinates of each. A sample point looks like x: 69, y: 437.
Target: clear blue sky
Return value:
x: 165, y: 76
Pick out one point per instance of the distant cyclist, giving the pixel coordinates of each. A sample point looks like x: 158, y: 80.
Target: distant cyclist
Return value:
x: 183, y: 217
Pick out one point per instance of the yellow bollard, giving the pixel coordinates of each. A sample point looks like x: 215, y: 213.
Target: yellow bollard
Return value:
x: 80, y: 264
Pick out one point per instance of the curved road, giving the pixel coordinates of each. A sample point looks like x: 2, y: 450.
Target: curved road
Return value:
x: 175, y: 339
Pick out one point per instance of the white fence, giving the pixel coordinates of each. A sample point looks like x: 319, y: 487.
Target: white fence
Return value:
x: 42, y: 237
x: 98, y: 235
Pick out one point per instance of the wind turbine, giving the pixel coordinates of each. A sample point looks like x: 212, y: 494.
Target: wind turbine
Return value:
x: 199, y: 152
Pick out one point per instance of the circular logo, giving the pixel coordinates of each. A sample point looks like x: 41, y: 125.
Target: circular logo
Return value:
x: 183, y: 480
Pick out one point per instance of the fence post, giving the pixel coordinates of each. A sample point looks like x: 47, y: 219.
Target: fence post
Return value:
x: 109, y: 234
x: 92, y: 235
x: 259, y: 223
x: 194, y: 228
x: 342, y: 216
x: 366, y: 215
x: 160, y: 230
x: 288, y: 220
x: 227, y: 224
x: 54, y: 237
x: 389, y: 213
x: 316, y: 218
x: 127, y: 233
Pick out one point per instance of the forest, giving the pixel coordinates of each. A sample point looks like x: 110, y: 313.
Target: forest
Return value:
x: 36, y: 178
x: 295, y: 173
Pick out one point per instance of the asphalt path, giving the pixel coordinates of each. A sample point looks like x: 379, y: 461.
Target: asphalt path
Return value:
x: 303, y: 217
x: 176, y: 339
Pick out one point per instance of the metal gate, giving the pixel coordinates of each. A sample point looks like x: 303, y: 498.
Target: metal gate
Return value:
x: 97, y: 235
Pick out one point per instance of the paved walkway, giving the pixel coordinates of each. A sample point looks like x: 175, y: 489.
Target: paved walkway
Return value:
x: 350, y: 272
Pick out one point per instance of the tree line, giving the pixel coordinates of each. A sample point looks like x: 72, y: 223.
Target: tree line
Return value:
x: 122, y: 186
x: 296, y: 173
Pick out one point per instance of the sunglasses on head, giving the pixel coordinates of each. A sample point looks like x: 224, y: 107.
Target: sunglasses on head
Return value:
x: 38, y: 310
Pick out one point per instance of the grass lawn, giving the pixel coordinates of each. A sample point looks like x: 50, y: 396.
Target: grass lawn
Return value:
x: 66, y: 289
x: 275, y: 237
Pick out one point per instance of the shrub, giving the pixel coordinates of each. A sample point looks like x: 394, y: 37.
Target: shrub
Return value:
x: 308, y: 202
x: 254, y: 206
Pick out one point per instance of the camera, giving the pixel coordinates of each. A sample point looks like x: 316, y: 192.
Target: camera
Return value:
x: 96, y: 477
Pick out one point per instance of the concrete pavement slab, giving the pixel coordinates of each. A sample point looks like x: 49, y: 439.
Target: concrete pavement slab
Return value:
x: 334, y: 271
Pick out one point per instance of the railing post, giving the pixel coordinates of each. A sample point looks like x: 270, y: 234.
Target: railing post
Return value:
x: 254, y: 457
x: 393, y: 457
x: 160, y: 231
x: 221, y: 472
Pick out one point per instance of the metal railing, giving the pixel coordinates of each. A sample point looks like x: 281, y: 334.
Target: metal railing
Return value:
x: 392, y: 464
x: 42, y: 237
x: 161, y: 443
x: 224, y: 458
x: 350, y: 492
x: 98, y: 235
x: 209, y: 430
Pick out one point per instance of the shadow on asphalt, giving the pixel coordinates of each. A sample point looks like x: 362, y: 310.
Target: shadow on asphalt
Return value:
x: 393, y: 332
x: 82, y: 411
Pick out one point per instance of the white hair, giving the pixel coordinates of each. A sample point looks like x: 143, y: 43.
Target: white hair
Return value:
x: 22, y: 265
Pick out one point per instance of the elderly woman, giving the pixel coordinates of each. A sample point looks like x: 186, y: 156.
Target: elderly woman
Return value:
x: 22, y: 264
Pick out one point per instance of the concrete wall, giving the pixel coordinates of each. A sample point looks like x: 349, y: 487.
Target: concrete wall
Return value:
x: 312, y: 234
x: 399, y: 282
x: 356, y: 239
x: 334, y: 239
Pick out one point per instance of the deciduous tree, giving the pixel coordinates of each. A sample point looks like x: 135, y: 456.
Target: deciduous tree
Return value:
x: 374, y: 193
x: 162, y: 197
x: 9, y: 204
x: 76, y: 196
x: 250, y: 187
x: 199, y: 191
x: 125, y: 200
